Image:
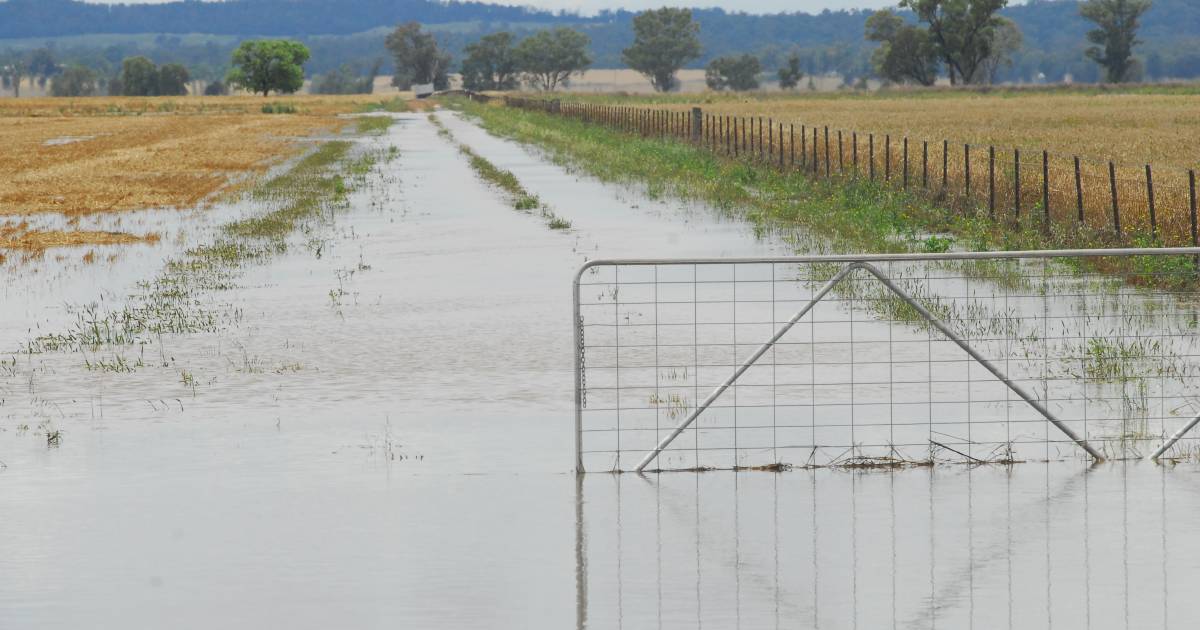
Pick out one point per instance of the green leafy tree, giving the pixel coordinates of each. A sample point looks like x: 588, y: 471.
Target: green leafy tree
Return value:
x: 417, y: 58
x: 906, y: 53
x: 549, y: 58
x: 139, y: 77
x: 963, y: 32
x: 790, y: 74
x: 216, y: 88
x: 663, y: 41
x: 738, y: 73
x: 491, y: 63
x: 261, y: 66
x: 1118, y: 22
x: 172, y: 80
x: 75, y: 80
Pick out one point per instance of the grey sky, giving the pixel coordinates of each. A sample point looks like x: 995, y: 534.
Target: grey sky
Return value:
x: 591, y: 6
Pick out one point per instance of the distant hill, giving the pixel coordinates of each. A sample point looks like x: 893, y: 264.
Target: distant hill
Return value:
x: 341, y: 31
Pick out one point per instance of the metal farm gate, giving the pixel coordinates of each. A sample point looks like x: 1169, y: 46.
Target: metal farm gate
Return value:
x: 886, y: 360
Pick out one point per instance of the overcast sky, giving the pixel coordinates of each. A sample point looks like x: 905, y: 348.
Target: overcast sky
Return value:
x: 751, y: 6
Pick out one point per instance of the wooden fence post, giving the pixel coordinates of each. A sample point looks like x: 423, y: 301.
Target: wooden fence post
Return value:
x: 1116, y: 209
x: 792, y: 144
x: 1046, y: 191
x: 887, y: 157
x: 1150, y: 199
x: 816, y: 163
x: 1078, y: 191
x: 826, y: 152
x: 1192, y: 195
x: 925, y: 164
x: 945, y: 164
x: 781, y: 148
x: 697, y: 124
x: 871, y: 154
x: 906, y: 162
x: 991, y: 182
x: 1017, y: 186
x: 854, y: 150
x: 841, y: 154
x: 967, y: 168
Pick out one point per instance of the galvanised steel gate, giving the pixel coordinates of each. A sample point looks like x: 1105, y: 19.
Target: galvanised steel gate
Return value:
x: 886, y: 360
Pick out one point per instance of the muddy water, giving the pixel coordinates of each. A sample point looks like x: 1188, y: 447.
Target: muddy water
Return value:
x: 384, y: 438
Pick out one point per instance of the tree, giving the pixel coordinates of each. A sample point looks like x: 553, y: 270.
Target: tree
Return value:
x: 962, y: 31
x: 549, y: 58
x: 40, y: 64
x: 417, y: 57
x: 346, y: 80
x: 663, y: 41
x: 738, y: 73
x: 268, y: 64
x: 790, y: 75
x: 906, y: 53
x: 139, y: 77
x: 216, y: 88
x: 1118, y: 22
x: 1006, y: 43
x: 13, y: 69
x: 75, y: 80
x: 172, y: 80
x: 491, y: 63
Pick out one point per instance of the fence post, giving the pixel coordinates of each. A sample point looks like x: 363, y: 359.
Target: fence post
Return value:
x: 1078, y: 191
x: 1150, y: 196
x: 816, y: 158
x: 770, y: 145
x: 827, y: 152
x: 853, y: 139
x: 871, y: 155
x: 841, y: 154
x: 991, y: 182
x: 1017, y: 186
x: 1112, y: 180
x: 1046, y: 190
x: 906, y: 162
x: 697, y: 123
x: 803, y: 145
x: 925, y: 164
x: 945, y: 164
x: 887, y: 158
x: 781, y: 149
x: 967, y: 168
x: 1192, y: 199
x: 792, y: 143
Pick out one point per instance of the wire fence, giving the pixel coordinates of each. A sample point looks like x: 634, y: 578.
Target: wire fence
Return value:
x: 1112, y: 202
x: 890, y: 360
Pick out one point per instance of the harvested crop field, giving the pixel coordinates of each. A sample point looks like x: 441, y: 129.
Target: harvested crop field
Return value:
x: 78, y: 157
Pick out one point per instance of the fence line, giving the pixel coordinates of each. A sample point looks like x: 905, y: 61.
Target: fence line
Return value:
x: 1071, y: 192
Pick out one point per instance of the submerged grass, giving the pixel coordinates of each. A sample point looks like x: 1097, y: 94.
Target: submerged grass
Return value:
x: 172, y: 303
x: 520, y: 198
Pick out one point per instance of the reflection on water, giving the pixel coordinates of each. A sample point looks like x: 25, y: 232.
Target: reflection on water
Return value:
x: 1029, y: 546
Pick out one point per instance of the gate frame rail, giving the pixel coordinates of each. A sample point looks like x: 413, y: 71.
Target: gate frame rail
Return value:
x: 853, y: 263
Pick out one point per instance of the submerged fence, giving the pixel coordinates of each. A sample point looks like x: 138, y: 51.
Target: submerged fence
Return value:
x: 1015, y: 188
x: 886, y: 360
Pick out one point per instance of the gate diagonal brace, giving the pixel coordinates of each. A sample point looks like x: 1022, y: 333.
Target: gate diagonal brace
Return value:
x: 928, y: 317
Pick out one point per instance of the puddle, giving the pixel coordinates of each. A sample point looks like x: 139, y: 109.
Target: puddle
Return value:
x: 55, y: 142
x: 384, y: 435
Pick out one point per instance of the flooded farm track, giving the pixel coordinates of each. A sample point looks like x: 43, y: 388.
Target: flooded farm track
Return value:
x: 385, y: 437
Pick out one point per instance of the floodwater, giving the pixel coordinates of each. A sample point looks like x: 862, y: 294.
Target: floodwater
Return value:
x: 384, y: 438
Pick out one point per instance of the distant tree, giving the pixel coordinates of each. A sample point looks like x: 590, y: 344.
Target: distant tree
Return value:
x: 346, y: 80
x: 1007, y: 41
x: 41, y: 65
x: 1118, y: 22
x: 266, y: 65
x: 417, y: 58
x: 549, y: 58
x: 663, y: 41
x: 13, y: 69
x: 491, y: 63
x: 963, y: 32
x: 906, y: 52
x: 738, y: 73
x: 172, y: 80
x: 75, y: 80
x: 790, y: 75
x: 216, y: 88
x: 139, y: 77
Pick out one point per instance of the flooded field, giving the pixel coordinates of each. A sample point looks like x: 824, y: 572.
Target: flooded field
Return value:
x: 380, y: 432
